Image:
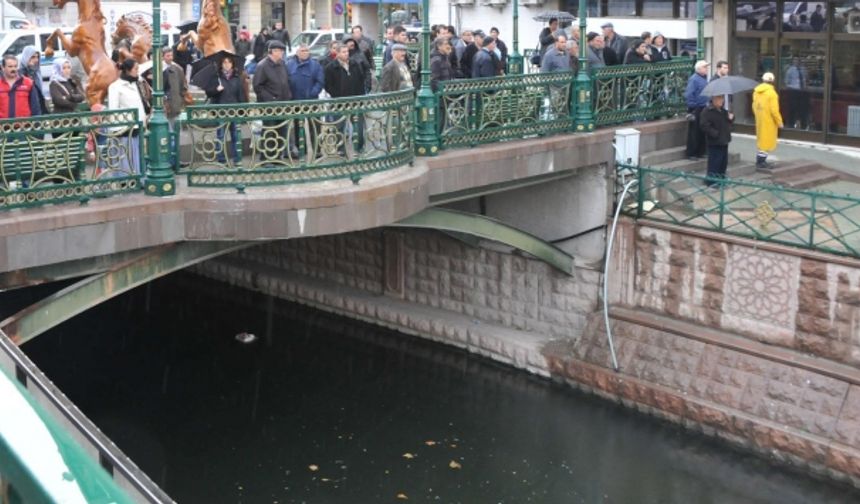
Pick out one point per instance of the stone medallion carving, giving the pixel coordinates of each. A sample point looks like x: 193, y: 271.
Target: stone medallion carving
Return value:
x: 760, y: 293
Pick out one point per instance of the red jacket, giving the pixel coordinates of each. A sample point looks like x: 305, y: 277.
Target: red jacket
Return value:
x: 17, y: 100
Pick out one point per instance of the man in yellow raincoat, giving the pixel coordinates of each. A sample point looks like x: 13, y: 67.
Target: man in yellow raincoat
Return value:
x: 768, y: 120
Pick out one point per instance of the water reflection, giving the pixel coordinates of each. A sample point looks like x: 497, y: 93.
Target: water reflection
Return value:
x: 322, y: 409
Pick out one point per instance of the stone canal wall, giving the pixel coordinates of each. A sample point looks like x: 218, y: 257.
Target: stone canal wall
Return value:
x: 490, y: 301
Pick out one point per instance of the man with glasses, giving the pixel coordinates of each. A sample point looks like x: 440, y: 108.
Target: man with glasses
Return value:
x: 18, y: 95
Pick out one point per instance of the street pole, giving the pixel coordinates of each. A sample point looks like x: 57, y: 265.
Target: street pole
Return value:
x: 380, y: 46
x: 700, y: 22
x: 515, y: 60
x: 584, y: 113
x: 426, y: 141
x: 345, y: 18
x: 159, y: 173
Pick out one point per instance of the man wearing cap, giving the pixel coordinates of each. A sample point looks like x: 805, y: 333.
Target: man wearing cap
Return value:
x: 396, y: 75
x: 271, y: 84
x: 695, y: 104
x: 768, y: 120
x: 614, y: 41
x: 483, y: 64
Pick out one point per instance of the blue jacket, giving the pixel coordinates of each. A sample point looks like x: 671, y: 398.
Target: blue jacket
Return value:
x: 483, y: 65
x: 306, y: 78
x: 693, y: 93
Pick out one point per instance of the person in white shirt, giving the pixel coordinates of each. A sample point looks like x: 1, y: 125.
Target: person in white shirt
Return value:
x: 124, y: 93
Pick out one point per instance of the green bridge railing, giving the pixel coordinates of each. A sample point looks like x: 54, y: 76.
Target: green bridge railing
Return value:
x: 74, y: 157
x: 58, y: 158
x: 301, y: 141
x: 816, y: 220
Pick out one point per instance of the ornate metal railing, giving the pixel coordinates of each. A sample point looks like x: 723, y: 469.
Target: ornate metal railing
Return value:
x: 811, y: 219
x: 300, y: 141
x: 640, y: 92
x: 474, y: 111
x: 56, y: 158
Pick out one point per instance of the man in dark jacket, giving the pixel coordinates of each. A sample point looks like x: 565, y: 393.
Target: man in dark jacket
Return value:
x: 695, y: 104
x: 483, y: 64
x: 261, y: 44
x: 440, y: 63
x: 343, y: 77
x: 282, y: 35
x: 468, y: 58
x: 716, y: 124
x: 271, y: 84
x: 503, y: 50
x: 547, y: 36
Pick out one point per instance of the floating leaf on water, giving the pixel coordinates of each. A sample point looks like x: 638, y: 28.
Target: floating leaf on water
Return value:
x: 402, y: 496
x: 430, y: 443
x: 314, y: 467
x: 453, y: 445
x: 408, y: 455
x: 454, y: 465
x: 324, y: 479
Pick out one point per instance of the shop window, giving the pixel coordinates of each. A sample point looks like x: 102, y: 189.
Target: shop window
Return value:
x: 845, y: 88
x: 753, y: 57
x: 658, y: 8
x: 688, y: 9
x: 756, y: 16
x: 802, y: 77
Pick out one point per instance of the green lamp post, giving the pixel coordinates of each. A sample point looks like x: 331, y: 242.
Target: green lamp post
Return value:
x: 380, y: 45
x: 584, y: 114
x: 515, y: 60
x: 426, y: 141
x: 345, y: 18
x: 700, y: 25
x: 159, y: 173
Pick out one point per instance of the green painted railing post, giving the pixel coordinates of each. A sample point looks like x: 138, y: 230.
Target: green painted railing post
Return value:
x: 159, y: 174
x: 380, y: 47
x: 584, y: 112
x: 515, y: 60
x: 700, y: 28
x: 640, y: 190
x: 812, y: 222
x: 426, y: 140
x: 722, y: 204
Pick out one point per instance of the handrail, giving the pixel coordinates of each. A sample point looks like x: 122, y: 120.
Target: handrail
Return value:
x: 61, y: 157
x: 811, y: 219
x: 300, y: 141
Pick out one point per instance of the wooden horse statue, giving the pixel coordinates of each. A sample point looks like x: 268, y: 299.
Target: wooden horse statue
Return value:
x: 88, y: 44
x: 213, y: 32
x: 138, y: 33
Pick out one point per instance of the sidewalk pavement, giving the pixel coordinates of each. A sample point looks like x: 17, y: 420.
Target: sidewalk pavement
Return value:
x: 838, y: 157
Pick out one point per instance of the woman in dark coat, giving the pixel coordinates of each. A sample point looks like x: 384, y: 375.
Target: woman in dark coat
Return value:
x: 66, y: 92
x: 356, y: 55
x: 229, y: 86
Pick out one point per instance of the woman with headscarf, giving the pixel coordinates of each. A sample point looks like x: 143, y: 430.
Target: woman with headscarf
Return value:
x: 229, y: 86
x: 29, y: 66
x: 124, y: 93
x: 66, y: 91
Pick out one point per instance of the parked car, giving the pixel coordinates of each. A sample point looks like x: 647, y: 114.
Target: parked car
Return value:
x: 317, y: 41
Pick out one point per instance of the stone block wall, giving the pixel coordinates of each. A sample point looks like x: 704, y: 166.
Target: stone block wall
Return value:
x: 494, y: 286
x: 778, y: 295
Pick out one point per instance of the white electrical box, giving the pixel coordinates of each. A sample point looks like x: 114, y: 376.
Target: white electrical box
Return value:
x: 627, y: 146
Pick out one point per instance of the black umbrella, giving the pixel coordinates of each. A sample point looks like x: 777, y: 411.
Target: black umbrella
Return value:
x: 204, y: 69
x: 562, y: 16
x: 730, y: 84
x: 187, y: 25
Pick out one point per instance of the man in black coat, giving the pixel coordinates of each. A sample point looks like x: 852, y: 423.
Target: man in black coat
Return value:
x: 468, y: 57
x: 716, y: 123
x: 440, y: 63
x: 271, y: 84
x: 484, y: 65
x: 343, y: 77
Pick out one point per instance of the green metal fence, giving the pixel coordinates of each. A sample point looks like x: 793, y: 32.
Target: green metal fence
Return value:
x: 810, y: 219
x: 299, y: 141
x: 475, y: 111
x: 640, y: 92
x: 56, y: 158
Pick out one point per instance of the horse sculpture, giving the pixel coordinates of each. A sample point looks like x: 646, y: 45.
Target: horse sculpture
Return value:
x: 138, y: 33
x: 213, y: 32
x: 88, y: 44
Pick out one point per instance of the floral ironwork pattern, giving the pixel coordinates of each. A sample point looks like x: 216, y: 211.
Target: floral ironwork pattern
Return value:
x: 474, y: 111
x: 301, y: 141
x: 640, y: 92
x: 56, y: 158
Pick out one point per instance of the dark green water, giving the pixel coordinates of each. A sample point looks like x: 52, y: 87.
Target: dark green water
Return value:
x: 214, y: 420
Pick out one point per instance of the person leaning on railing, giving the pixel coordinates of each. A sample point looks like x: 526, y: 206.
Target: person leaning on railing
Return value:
x: 639, y: 52
x: 124, y: 93
x: 556, y: 59
x: 396, y: 75
x: 344, y: 78
x: 272, y: 84
x: 66, y: 91
x: 228, y: 86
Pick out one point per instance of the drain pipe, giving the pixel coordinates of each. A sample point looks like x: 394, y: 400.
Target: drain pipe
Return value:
x: 620, y: 205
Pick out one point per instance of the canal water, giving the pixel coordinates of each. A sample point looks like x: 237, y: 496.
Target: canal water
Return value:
x: 321, y: 409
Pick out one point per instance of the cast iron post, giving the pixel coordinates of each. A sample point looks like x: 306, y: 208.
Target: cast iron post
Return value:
x: 426, y: 142
x: 700, y: 22
x: 584, y: 113
x: 515, y: 60
x: 345, y: 18
x: 380, y: 46
x: 159, y: 174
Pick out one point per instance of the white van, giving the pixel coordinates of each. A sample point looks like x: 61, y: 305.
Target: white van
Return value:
x: 317, y: 41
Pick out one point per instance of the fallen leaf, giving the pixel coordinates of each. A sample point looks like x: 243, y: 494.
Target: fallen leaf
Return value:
x: 408, y: 455
x: 325, y: 479
x: 314, y: 467
x: 430, y: 443
x: 402, y: 496
x: 453, y: 445
x: 454, y: 465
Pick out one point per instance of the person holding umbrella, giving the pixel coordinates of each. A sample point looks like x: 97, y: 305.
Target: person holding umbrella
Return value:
x: 716, y: 123
x: 228, y: 86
